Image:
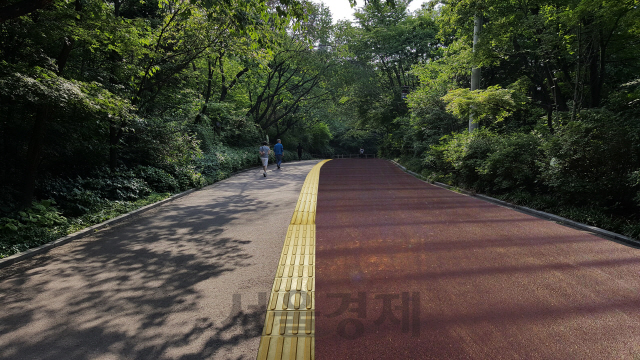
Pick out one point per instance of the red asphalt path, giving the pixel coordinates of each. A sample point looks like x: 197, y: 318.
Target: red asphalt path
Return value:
x: 407, y: 270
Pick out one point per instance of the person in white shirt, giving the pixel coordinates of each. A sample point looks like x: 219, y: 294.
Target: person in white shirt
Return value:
x: 264, y: 156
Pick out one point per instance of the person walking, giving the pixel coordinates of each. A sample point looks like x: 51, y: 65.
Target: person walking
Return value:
x: 278, y: 149
x: 299, y: 151
x: 361, y: 152
x: 264, y: 156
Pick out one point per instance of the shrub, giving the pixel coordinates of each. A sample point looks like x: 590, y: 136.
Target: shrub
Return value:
x: 293, y: 156
x: 588, y: 161
x: 163, y: 143
x: 116, y: 185
x: 111, y: 209
x: 82, y: 195
x: 411, y: 163
x: 461, y: 155
x: 32, y: 227
x: 79, y: 202
x: 158, y: 179
x: 512, y: 165
x: 222, y: 161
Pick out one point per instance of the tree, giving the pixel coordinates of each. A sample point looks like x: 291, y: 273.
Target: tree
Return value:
x: 294, y: 78
x: 142, y: 56
x: 379, y: 61
x: 563, y: 48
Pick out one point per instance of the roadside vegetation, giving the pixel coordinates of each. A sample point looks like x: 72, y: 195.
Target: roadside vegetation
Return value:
x: 558, y: 108
x: 109, y: 106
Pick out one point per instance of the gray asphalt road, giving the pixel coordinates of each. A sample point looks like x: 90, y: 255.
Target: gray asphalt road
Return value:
x: 187, y: 280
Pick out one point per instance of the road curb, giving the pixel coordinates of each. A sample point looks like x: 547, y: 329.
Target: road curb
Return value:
x: 10, y: 260
x: 537, y: 213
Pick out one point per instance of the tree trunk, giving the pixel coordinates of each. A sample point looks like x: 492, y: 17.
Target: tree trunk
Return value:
x: 603, y: 52
x: 560, y: 101
x: 225, y: 89
x: 475, y: 72
x: 67, y: 46
x: 577, y: 78
x: 596, y: 76
x: 395, y: 71
x: 207, y: 94
x: 386, y: 70
x: 115, y: 132
x: 594, y: 80
x: 34, y: 154
x: 6, y: 149
x: 116, y: 8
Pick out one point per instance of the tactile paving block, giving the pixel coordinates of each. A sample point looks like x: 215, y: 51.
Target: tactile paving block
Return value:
x: 289, y: 326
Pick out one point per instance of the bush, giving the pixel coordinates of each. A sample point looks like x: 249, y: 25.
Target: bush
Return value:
x: 512, y: 165
x: 162, y: 143
x: 219, y: 163
x: 462, y: 155
x: 111, y: 209
x: 158, y: 179
x: 43, y: 222
x: 588, y: 170
x: 32, y: 227
x: 289, y: 156
x: 589, y: 161
x: 411, y: 163
x: 79, y: 202
x: 82, y: 195
x: 117, y: 185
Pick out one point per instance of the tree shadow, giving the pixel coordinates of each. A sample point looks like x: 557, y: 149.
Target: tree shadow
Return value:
x: 158, y: 286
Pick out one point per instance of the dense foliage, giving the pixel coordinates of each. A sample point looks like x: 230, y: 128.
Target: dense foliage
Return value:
x: 105, y: 106
x: 558, y: 107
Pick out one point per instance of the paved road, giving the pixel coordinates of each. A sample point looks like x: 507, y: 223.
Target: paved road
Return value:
x: 406, y: 270
x: 160, y: 286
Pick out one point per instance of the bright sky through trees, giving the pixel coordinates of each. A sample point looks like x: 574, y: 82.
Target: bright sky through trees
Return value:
x: 341, y: 10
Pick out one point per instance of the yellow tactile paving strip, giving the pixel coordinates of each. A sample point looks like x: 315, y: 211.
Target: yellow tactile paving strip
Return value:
x: 289, y: 326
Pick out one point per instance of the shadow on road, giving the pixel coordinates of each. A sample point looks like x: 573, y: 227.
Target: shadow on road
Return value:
x: 159, y: 286
x: 407, y: 270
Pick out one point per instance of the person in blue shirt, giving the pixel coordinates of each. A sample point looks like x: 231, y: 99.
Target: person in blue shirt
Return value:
x: 278, y: 150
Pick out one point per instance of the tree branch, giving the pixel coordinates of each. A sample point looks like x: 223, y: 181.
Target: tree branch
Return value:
x: 22, y: 8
